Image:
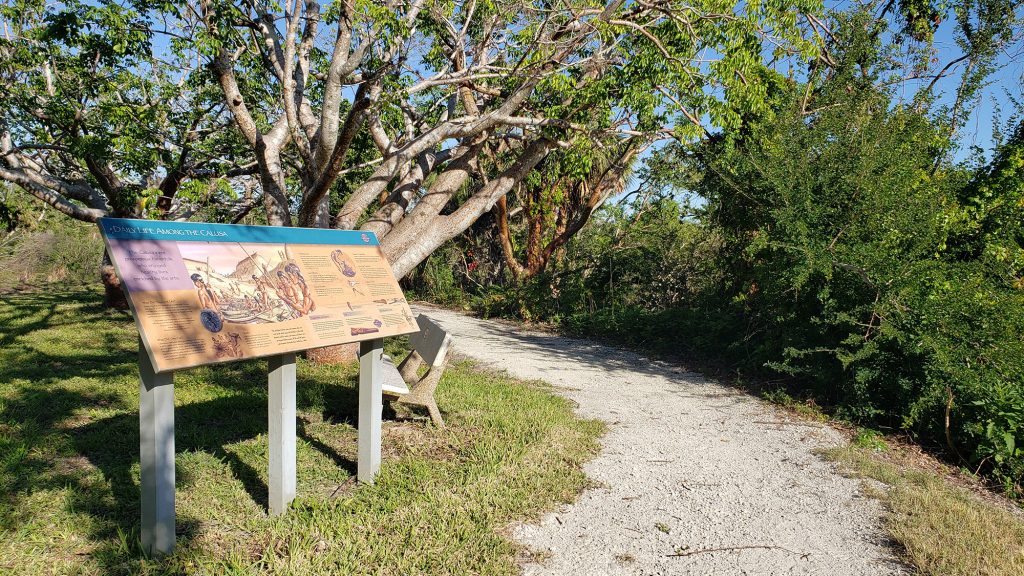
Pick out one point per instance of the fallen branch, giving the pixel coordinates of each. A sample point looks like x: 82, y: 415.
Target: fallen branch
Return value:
x: 802, y: 555
x: 784, y: 423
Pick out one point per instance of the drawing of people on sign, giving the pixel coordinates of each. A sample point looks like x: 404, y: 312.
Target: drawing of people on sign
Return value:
x: 301, y: 290
x: 262, y: 297
x: 209, y: 303
x: 286, y: 291
x: 207, y: 297
x: 344, y: 263
x: 243, y: 282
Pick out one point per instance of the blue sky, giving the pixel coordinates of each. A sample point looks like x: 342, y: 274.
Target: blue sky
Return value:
x: 1006, y: 82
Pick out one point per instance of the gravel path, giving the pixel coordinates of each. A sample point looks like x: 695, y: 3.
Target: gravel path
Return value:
x: 687, y: 466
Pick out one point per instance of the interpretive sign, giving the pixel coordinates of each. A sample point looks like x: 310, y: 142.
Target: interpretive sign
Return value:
x: 205, y: 293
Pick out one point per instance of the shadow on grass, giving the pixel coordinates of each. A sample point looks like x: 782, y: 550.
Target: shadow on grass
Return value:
x: 49, y: 440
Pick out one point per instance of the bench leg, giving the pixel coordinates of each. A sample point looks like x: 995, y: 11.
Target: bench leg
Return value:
x: 435, y: 414
x: 409, y: 366
x: 422, y: 394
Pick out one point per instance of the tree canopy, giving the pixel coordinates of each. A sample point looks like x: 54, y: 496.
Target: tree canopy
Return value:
x: 407, y: 118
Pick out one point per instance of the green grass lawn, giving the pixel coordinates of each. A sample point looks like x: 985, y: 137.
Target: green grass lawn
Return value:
x: 69, y: 468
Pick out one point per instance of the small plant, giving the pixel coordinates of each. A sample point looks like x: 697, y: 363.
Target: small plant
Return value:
x: 870, y: 439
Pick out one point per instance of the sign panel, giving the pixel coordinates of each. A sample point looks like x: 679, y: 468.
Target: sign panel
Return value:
x: 205, y: 293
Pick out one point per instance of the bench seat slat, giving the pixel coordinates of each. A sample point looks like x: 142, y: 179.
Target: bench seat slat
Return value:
x: 392, y: 383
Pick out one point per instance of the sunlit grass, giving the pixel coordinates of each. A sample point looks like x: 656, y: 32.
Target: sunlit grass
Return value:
x: 943, y: 529
x: 69, y: 497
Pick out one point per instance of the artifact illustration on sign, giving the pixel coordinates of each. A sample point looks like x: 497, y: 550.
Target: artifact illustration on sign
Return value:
x: 205, y: 293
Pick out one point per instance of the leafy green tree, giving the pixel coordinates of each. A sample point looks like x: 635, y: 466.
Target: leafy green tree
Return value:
x: 95, y: 121
x: 973, y: 315
x: 439, y: 107
x: 463, y: 100
x: 103, y: 113
x: 875, y: 275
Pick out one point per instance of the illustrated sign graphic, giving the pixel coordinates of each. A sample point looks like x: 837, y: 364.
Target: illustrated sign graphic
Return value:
x: 205, y: 293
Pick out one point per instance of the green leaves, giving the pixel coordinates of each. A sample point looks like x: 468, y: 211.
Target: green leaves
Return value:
x: 858, y: 263
x: 88, y: 96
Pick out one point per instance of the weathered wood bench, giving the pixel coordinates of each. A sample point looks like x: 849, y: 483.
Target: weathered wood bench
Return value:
x: 430, y: 345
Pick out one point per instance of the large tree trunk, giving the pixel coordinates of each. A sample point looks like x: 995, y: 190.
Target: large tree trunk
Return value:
x: 113, y: 293
x: 340, y: 354
x: 409, y: 228
x: 275, y: 193
x: 445, y: 227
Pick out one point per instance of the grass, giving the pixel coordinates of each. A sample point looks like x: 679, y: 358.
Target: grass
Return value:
x: 943, y: 526
x: 442, y: 504
x: 944, y: 523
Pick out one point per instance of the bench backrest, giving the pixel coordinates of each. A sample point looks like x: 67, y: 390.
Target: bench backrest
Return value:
x: 431, y: 342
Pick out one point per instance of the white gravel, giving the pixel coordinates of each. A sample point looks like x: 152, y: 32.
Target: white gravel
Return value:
x: 687, y: 466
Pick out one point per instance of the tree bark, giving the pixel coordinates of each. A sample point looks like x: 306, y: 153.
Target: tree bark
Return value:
x: 329, y: 355
x: 275, y: 193
x: 570, y: 218
x: 393, y: 210
x: 505, y: 237
x: 113, y: 292
x: 447, y: 183
x: 444, y: 228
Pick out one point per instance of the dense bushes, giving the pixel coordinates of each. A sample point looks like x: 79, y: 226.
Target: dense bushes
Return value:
x: 38, y: 247
x: 877, y: 283
x: 882, y: 281
x: 838, y: 254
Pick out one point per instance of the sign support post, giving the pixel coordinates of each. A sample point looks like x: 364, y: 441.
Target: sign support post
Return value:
x: 156, y: 456
x: 281, y: 433
x: 371, y: 407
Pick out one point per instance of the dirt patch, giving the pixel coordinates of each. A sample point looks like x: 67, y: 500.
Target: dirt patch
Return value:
x: 414, y: 439
x: 71, y: 466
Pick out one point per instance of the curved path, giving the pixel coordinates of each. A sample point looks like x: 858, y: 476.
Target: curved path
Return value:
x: 693, y: 477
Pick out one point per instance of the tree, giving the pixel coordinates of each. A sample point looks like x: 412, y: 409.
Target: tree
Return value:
x: 865, y: 268
x: 95, y: 122
x: 559, y: 199
x: 463, y: 100
x: 449, y: 104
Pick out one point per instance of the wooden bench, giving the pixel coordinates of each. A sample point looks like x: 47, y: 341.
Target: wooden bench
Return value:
x: 431, y: 346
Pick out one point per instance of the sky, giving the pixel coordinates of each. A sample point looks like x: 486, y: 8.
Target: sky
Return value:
x: 1004, y: 83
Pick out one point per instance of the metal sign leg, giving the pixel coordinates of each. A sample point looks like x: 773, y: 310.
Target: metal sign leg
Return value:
x: 371, y: 407
x: 156, y: 456
x: 281, y: 435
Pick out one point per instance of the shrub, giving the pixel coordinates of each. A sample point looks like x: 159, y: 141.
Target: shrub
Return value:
x: 70, y: 256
